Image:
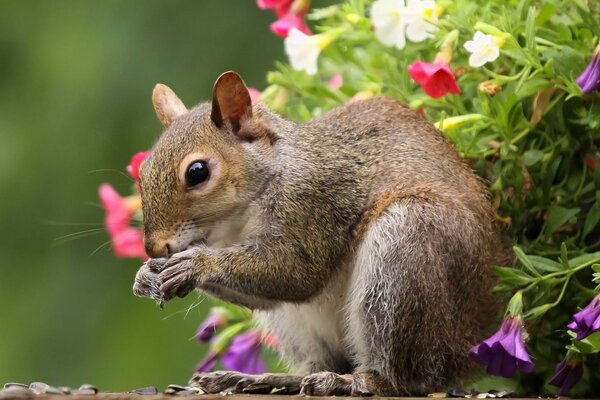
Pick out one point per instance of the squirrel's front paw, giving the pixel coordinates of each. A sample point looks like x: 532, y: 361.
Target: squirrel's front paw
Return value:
x: 179, y: 275
x: 147, y: 282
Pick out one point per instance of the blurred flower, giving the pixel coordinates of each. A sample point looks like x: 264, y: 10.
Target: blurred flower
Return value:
x: 210, y: 325
x: 208, y: 363
x: 489, y: 87
x: 590, y: 162
x: 504, y: 352
x: 134, y: 165
x: 127, y: 241
x: 589, y: 80
x: 389, y: 21
x: 567, y: 373
x: 243, y: 354
x: 293, y: 18
x: 420, y: 18
x: 587, y: 321
x: 436, y: 79
x: 303, y: 50
x: 335, y: 82
x: 254, y: 94
x: 281, y: 7
x: 483, y: 48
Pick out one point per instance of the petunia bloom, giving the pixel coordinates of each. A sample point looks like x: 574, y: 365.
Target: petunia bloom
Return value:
x: 281, y: 7
x: 303, y: 50
x: 243, y: 354
x: 336, y: 82
x: 483, y: 48
x: 389, y: 22
x: 587, y: 321
x: 254, y: 94
x: 126, y: 241
x: 566, y: 375
x: 420, y: 18
x: 208, y: 363
x: 436, y: 79
x: 210, y: 325
x: 286, y: 22
x: 504, y: 352
x: 589, y: 80
x: 134, y: 165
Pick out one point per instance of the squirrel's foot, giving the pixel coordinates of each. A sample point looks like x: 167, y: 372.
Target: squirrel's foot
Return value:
x: 332, y: 384
x: 227, y: 381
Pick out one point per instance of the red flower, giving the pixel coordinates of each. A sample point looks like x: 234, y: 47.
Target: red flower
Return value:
x: 127, y: 241
x: 282, y: 26
x: 436, y: 79
x: 281, y: 7
x: 134, y: 165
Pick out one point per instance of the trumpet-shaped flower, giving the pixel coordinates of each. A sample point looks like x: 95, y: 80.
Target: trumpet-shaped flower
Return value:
x: 436, y: 79
x: 243, y: 354
x: 281, y: 7
x: 303, y: 50
x: 420, y: 18
x: 589, y: 80
x: 566, y: 375
x: 389, y: 21
x: 285, y: 23
x: 504, y: 352
x: 483, y: 48
x: 207, y: 329
x: 587, y: 321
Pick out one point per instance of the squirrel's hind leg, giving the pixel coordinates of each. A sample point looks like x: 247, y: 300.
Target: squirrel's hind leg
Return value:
x: 416, y: 284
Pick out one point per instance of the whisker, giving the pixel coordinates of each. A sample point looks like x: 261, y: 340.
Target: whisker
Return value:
x: 61, y: 223
x: 76, y: 234
x: 102, y: 246
x: 129, y: 178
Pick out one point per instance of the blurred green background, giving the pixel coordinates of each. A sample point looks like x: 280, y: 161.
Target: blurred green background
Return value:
x: 75, y: 84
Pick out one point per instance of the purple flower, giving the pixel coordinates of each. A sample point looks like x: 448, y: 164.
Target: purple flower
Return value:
x: 504, y: 352
x: 208, y: 363
x: 589, y: 80
x: 210, y: 325
x: 566, y: 375
x: 243, y: 354
x: 587, y: 321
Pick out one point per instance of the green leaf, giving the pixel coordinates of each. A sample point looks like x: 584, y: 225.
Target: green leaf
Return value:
x: 594, y: 341
x: 585, y: 259
x: 545, y: 264
x: 592, y: 219
x: 525, y: 260
x: 533, y: 156
x: 537, y: 311
x: 512, y: 276
x: 559, y: 216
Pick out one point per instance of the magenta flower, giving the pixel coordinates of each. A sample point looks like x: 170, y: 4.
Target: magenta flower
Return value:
x: 286, y: 22
x: 566, y: 375
x: 589, y: 80
x: 210, y: 325
x: 587, y: 321
x: 134, y: 165
x: 504, y: 352
x: 208, y: 363
x: 436, y: 78
x: 254, y: 94
x: 243, y: 354
x: 281, y: 7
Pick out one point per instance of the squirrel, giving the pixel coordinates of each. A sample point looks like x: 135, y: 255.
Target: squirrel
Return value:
x: 361, y: 240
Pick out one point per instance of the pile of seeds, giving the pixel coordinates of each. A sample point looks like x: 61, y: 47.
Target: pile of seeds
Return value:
x: 21, y: 391
x: 473, y: 394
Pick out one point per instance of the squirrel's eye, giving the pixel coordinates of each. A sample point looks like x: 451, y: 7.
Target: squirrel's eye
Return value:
x: 196, y: 173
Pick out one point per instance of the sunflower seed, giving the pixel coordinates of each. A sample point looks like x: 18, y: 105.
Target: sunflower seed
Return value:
x: 148, y: 390
x: 88, y: 387
x: 16, y: 392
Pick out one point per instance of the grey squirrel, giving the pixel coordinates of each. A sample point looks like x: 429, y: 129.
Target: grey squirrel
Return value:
x: 361, y: 239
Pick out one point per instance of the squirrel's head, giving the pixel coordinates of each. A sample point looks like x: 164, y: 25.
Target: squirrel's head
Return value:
x: 208, y: 165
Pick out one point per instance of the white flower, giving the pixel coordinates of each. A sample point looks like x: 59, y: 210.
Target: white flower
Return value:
x: 303, y: 50
x: 388, y: 18
x: 483, y: 48
x: 420, y: 18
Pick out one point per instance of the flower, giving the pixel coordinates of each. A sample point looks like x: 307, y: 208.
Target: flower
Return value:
x: 436, y: 79
x: 303, y: 50
x: 208, y: 362
x: 243, y: 354
x: 389, y: 21
x: 127, y: 241
x: 587, y: 321
x: 254, y: 94
x: 394, y: 21
x: 504, y: 352
x: 420, y: 16
x: 282, y: 26
x: 489, y: 87
x: 336, y: 82
x: 589, y: 80
x: 483, y: 48
x: 134, y: 165
x: 208, y: 328
x: 567, y: 373
x: 281, y: 7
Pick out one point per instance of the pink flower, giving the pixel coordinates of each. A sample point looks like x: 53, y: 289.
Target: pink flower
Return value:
x: 134, y: 165
x: 127, y: 241
x: 335, y: 82
x: 436, y: 79
x: 281, y: 7
x: 243, y: 354
x: 290, y: 20
x: 254, y: 94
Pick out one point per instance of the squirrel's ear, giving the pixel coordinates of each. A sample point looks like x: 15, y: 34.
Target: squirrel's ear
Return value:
x: 231, y: 100
x: 166, y: 104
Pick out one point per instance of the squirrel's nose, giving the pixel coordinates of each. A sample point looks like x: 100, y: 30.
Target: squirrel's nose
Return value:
x: 157, y: 249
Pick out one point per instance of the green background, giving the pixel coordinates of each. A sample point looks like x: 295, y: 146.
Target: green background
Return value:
x: 75, y: 84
